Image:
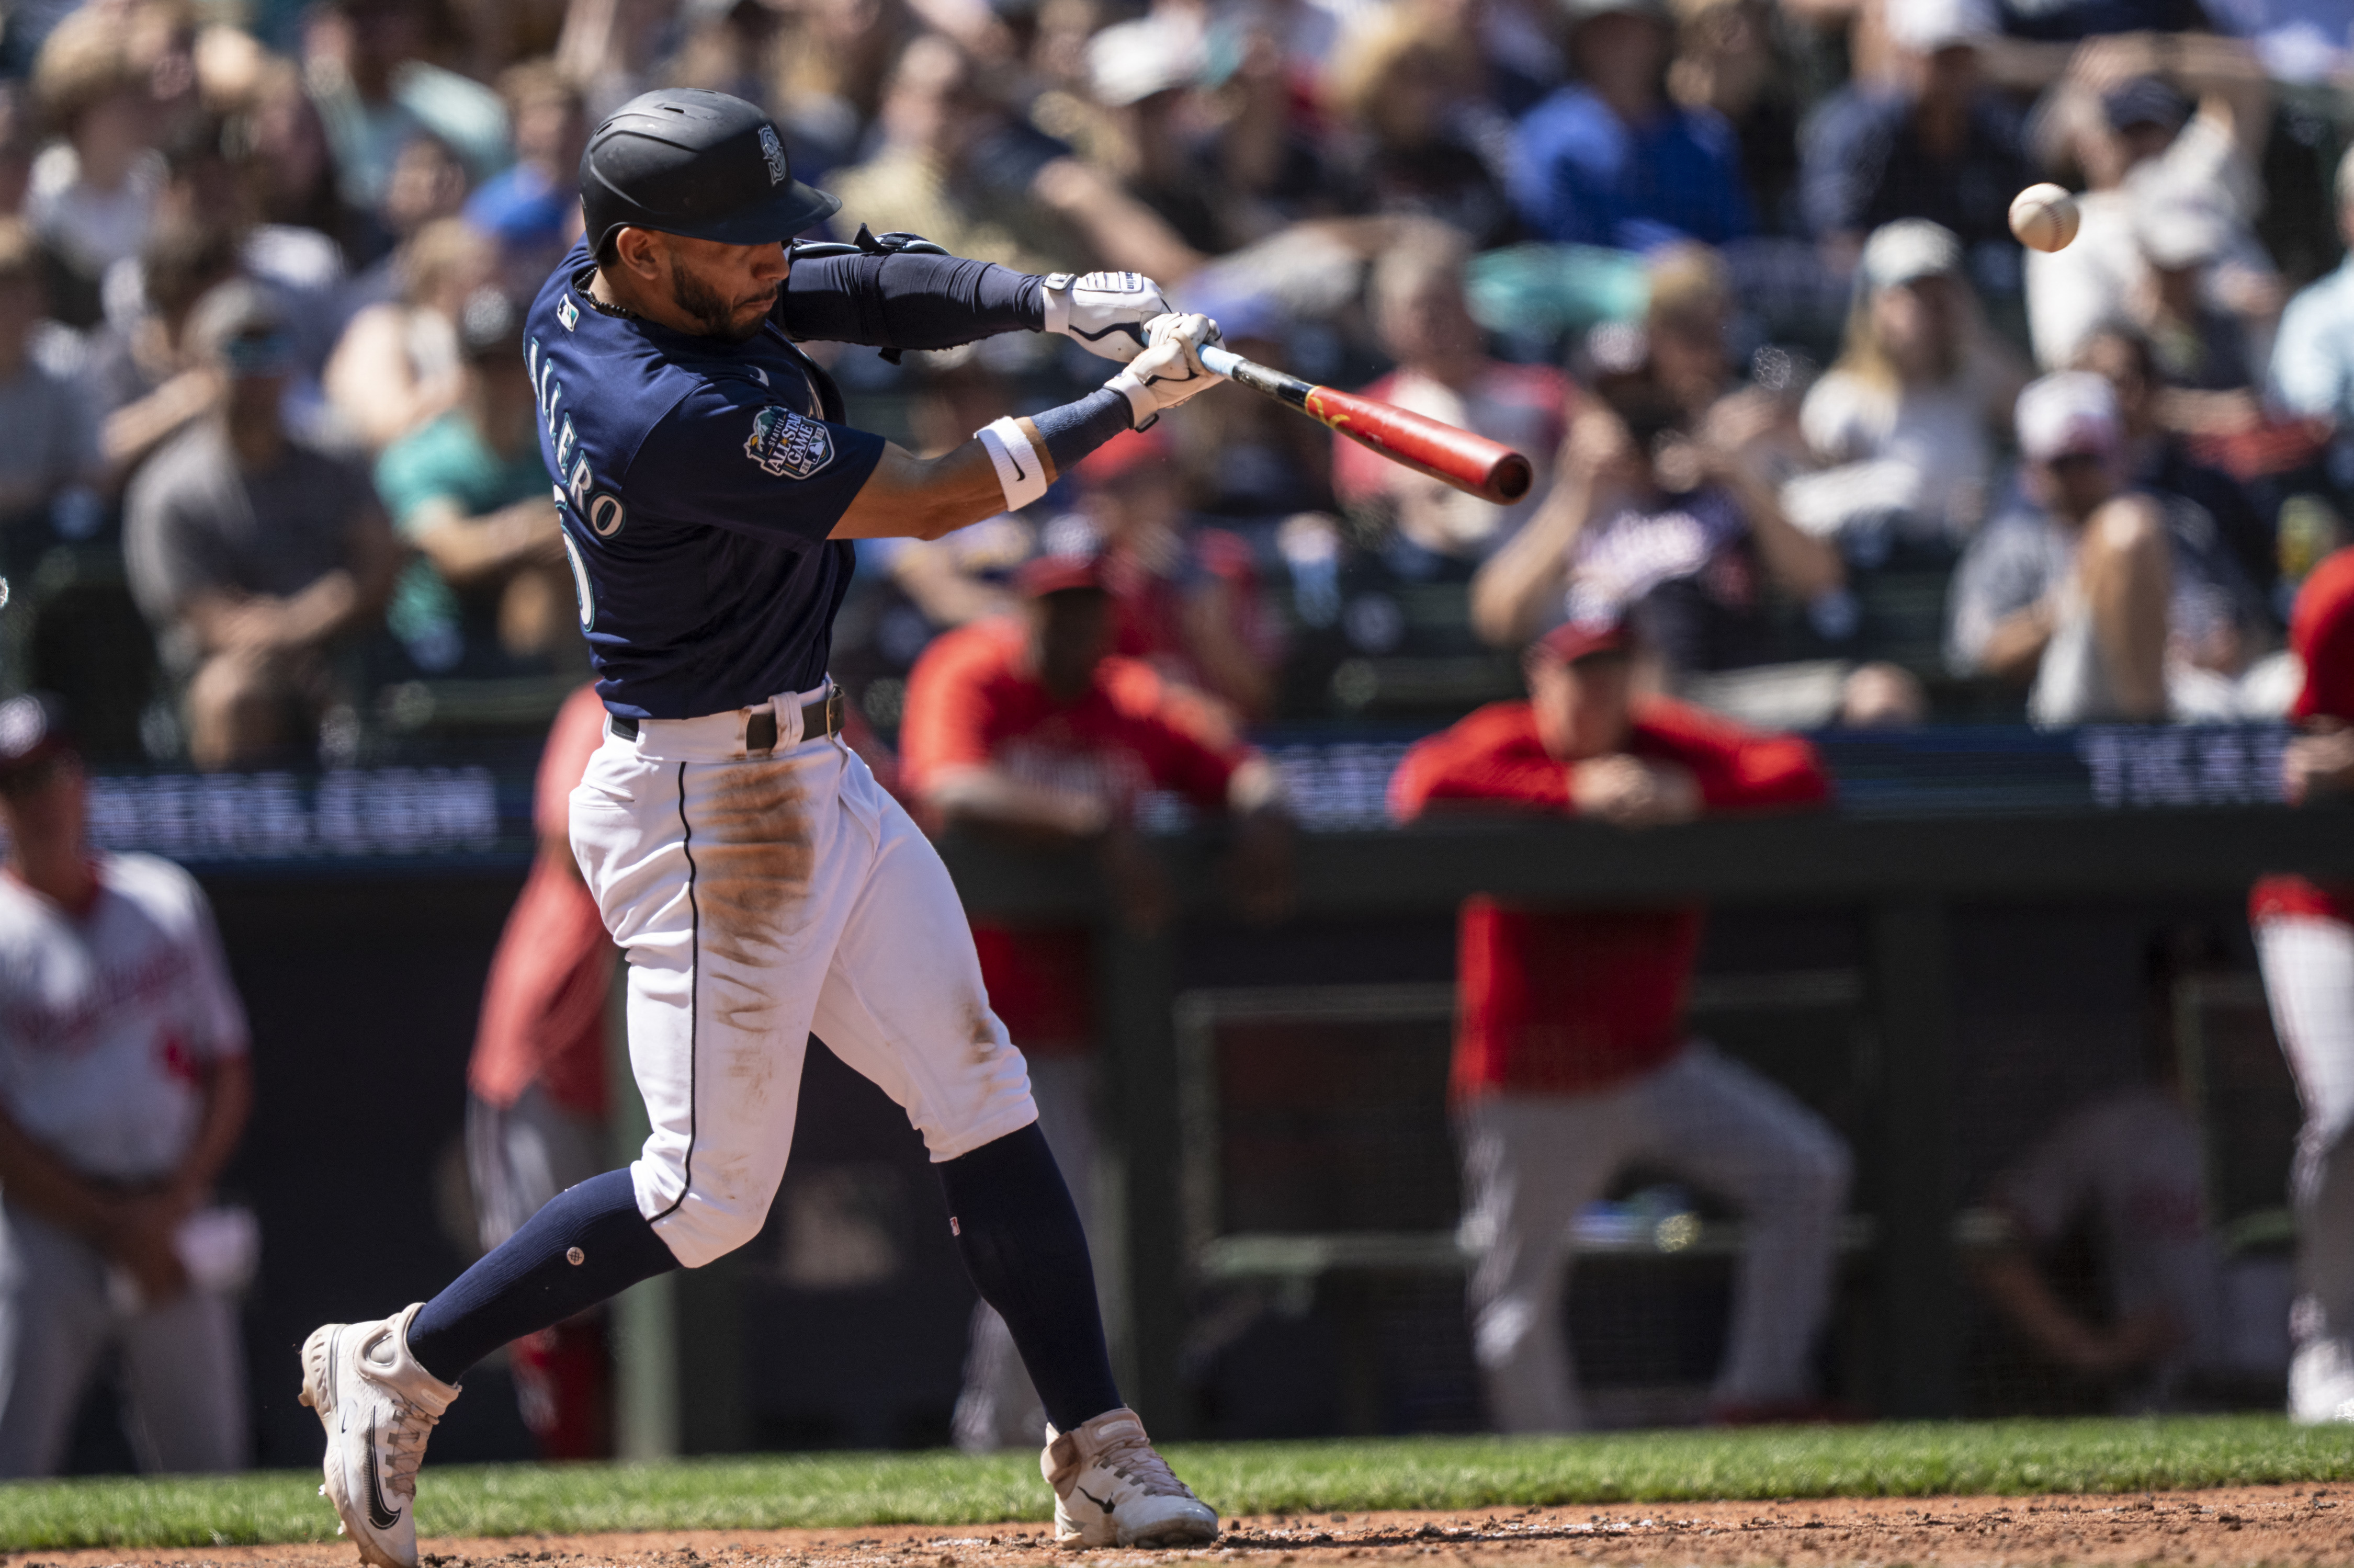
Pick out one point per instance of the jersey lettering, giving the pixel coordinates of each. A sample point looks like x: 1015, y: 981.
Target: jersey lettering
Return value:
x: 788, y: 446
x: 584, y: 596
x: 605, y: 514
x: 568, y: 442
x: 577, y: 485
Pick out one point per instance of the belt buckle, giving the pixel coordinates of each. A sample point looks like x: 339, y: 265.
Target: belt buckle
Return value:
x: 834, y: 710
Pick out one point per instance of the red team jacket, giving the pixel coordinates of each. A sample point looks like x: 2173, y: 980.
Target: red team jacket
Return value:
x: 1571, y: 1002
x: 2320, y: 634
x: 543, y: 1017
x: 970, y: 701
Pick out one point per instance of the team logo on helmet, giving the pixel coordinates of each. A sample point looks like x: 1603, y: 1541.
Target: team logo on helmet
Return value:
x: 788, y: 446
x: 774, y: 151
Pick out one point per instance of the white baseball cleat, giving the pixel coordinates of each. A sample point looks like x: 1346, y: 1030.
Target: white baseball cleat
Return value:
x: 2321, y: 1382
x: 378, y: 1406
x: 1112, y: 1489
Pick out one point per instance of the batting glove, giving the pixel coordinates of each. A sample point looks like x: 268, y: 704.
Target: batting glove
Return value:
x: 1103, y: 312
x: 1170, y: 370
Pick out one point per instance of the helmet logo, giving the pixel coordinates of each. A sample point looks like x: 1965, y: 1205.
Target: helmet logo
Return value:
x: 774, y: 151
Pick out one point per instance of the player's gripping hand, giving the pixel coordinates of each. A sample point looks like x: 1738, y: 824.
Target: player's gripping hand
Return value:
x: 1170, y: 370
x: 1103, y: 312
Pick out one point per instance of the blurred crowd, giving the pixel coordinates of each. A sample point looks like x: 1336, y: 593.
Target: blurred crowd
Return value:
x: 1735, y: 273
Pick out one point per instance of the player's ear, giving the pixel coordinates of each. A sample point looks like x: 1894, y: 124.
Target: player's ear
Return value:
x: 639, y: 252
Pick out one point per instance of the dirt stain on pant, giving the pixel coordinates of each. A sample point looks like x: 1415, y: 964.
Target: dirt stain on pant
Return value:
x: 754, y: 856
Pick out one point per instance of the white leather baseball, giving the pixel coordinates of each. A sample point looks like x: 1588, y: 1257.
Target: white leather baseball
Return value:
x: 2045, y: 216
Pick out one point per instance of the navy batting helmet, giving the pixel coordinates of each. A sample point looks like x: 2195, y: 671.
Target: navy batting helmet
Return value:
x: 698, y: 164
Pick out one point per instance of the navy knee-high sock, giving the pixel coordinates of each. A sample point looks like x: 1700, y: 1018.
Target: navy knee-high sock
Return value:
x: 533, y: 1280
x: 1020, y: 1235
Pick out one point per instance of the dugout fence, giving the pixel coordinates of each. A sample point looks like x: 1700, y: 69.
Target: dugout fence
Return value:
x: 359, y: 919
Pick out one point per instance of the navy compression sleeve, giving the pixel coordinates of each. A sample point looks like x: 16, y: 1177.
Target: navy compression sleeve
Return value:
x: 908, y: 300
x: 1074, y: 430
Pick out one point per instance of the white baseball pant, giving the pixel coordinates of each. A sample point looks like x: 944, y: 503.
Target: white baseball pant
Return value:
x: 2309, y: 968
x: 183, y: 1362
x: 755, y: 899
x: 1533, y: 1162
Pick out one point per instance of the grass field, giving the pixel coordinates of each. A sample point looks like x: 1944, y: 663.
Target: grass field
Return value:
x: 836, y: 1490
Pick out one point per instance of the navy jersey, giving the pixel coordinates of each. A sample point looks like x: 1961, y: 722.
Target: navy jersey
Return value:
x: 697, y: 480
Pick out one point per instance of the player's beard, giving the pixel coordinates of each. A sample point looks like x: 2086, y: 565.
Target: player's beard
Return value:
x: 712, y: 312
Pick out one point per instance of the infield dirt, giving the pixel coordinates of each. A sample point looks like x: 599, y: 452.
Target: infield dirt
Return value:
x: 2238, y: 1528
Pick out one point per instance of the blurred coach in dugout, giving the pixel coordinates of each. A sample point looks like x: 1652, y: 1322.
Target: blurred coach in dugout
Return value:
x: 537, y: 1096
x: 124, y: 1089
x: 1030, y: 726
x: 1571, y: 1059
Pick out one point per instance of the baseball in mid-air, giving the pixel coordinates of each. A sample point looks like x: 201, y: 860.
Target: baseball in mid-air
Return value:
x: 2045, y: 216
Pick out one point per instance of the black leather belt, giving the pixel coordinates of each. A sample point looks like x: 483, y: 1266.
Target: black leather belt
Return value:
x: 820, y: 717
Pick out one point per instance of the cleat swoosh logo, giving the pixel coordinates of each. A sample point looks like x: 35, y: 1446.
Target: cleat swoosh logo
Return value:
x: 378, y: 1515
x: 1091, y: 1497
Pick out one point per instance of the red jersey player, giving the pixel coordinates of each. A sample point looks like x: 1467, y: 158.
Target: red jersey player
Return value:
x: 1571, y: 1059
x: 1032, y: 724
x: 536, y: 1104
x: 2305, y: 942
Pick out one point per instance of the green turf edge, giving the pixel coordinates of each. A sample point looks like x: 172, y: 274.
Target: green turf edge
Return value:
x: 850, y: 1490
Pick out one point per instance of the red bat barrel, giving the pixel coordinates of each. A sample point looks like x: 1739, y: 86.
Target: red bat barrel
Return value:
x: 1489, y: 470
x: 1473, y: 465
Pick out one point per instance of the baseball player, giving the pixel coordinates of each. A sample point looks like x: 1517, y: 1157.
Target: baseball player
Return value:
x: 124, y: 1089
x: 760, y: 881
x: 1571, y: 1059
x: 2305, y: 944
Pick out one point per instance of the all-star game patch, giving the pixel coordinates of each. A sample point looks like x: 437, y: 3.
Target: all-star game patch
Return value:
x: 787, y: 445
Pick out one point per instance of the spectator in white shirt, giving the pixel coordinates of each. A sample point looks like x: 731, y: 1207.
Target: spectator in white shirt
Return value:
x: 1907, y: 416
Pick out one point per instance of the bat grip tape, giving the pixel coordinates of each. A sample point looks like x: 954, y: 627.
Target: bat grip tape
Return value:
x: 1020, y: 472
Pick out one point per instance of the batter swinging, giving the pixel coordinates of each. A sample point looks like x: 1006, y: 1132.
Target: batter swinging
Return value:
x: 760, y: 882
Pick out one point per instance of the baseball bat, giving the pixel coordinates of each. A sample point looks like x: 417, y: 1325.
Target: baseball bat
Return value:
x: 1473, y: 465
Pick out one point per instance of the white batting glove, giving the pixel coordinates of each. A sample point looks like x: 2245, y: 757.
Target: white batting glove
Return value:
x: 1103, y: 312
x: 1170, y: 370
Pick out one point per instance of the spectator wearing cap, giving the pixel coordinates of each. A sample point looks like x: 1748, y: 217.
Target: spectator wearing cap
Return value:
x: 253, y: 552
x: 398, y: 365
x: 489, y: 592
x: 1610, y: 159
x: 2312, y: 371
x: 1444, y: 372
x: 1934, y: 142
x: 2095, y: 597
x: 1572, y: 1059
x: 2198, y: 346
x: 1907, y: 417
x: 2148, y: 143
x: 51, y: 459
x: 124, y: 1089
x: 1034, y: 729
x: 1187, y: 596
